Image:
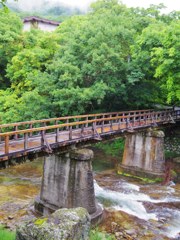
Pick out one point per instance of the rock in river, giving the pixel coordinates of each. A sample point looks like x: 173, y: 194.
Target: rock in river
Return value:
x: 71, y: 224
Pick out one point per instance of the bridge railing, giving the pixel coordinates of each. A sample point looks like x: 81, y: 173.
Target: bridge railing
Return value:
x: 61, y: 120
x: 66, y: 133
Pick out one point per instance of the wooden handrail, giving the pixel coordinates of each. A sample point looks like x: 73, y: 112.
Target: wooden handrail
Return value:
x: 68, y: 117
x: 77, y: 123
x: 81, y: 130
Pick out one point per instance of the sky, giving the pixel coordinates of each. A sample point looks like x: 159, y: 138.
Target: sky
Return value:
x: 83, y: 4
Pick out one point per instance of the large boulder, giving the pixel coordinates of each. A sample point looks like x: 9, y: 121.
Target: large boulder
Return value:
x: 64, y: 224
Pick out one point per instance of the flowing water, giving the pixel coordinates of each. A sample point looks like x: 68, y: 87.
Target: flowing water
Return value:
x: 143, y: 211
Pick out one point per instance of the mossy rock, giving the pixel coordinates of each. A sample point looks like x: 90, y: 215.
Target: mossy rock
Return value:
x: 64, y: 224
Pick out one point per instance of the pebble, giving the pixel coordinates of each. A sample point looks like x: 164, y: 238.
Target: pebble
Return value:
x: 130, y: 231
x: 118, y: 234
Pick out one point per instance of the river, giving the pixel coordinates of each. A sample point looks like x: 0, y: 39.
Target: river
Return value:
x: 133, y: 209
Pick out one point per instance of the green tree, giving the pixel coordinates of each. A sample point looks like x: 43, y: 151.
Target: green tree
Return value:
x: 38, y: 51
x: 156, y: 59
x: 10, y: 42
x: 166, y: 59
x: 93, y: 57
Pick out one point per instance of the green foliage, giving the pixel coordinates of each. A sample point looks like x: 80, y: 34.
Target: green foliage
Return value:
x: 6, y: 235
x: 95, y: 234
x: 112, y: 58
x: 10, y: 42
x: 114, y: 148
x: 40, y: 221
x: 171, y: 154
x: 166, y: 58
x: 157, y: 57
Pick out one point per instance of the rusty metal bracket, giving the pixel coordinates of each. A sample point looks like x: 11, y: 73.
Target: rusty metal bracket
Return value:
x: 97, y: 136
x: 129, y: 125
x: 171, y: 118
x: 48, y: 148
x: 153, y: 121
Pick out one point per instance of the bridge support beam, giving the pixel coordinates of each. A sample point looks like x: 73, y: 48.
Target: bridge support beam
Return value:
x: 144, y: 154
x: 68, y: 183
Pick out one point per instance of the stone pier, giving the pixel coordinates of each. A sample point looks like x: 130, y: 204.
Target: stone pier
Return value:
x: 68, y: 183
x: 144, y: 154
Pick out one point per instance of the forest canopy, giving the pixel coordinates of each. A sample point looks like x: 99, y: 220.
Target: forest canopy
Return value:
x: 111, y: 58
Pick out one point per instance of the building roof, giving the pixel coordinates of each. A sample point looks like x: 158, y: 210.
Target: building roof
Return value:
x: 38, y: 19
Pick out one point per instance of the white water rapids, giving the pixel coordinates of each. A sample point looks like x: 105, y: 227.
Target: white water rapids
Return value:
x: 130, y: 200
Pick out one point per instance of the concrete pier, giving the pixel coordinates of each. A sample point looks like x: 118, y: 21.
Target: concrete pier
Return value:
x: 144, y: 153
x: 68, y: 183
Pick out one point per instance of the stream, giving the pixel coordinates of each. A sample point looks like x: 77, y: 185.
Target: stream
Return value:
x: 133, y: 209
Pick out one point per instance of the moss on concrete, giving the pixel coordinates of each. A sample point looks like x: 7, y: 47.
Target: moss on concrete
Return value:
x: 144, y: 179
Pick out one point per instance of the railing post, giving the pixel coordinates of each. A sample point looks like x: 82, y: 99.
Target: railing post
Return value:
x: 82, y: 130
x: 102, y: 126
x: 117, y: 118
x: 16, y: 135
x: 42, y: 138
x: 119, y: 123
x: 134, y: 121
x: 77, y: 124
x: 30, y: 126
x: 70, y: 133
x: 123, y: 117
x: 145, y: 119
x: 57, y: 135
x: 25, y: 141
x: 94, y: 128
x: 126, y: 123
x: 0, y: 137
x: 111, y: 125
x: 6, y: 144
x: 110, y: 117
x: 67, y: 121
x: 43, y: 124
x: 86, y: 123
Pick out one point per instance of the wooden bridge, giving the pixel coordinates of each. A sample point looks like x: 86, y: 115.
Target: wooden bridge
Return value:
x: 23, y: 138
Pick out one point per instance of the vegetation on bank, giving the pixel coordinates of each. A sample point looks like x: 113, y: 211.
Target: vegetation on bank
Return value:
x: 95, y: 234
x: 111, y: 58
x: 6, y: 234
x: 114, y: 148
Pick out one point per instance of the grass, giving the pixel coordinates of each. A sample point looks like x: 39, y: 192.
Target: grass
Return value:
x: 95, y: 234
x: 6, y: 235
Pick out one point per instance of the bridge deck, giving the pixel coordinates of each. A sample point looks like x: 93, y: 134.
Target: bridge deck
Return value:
x: 22, y: 142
